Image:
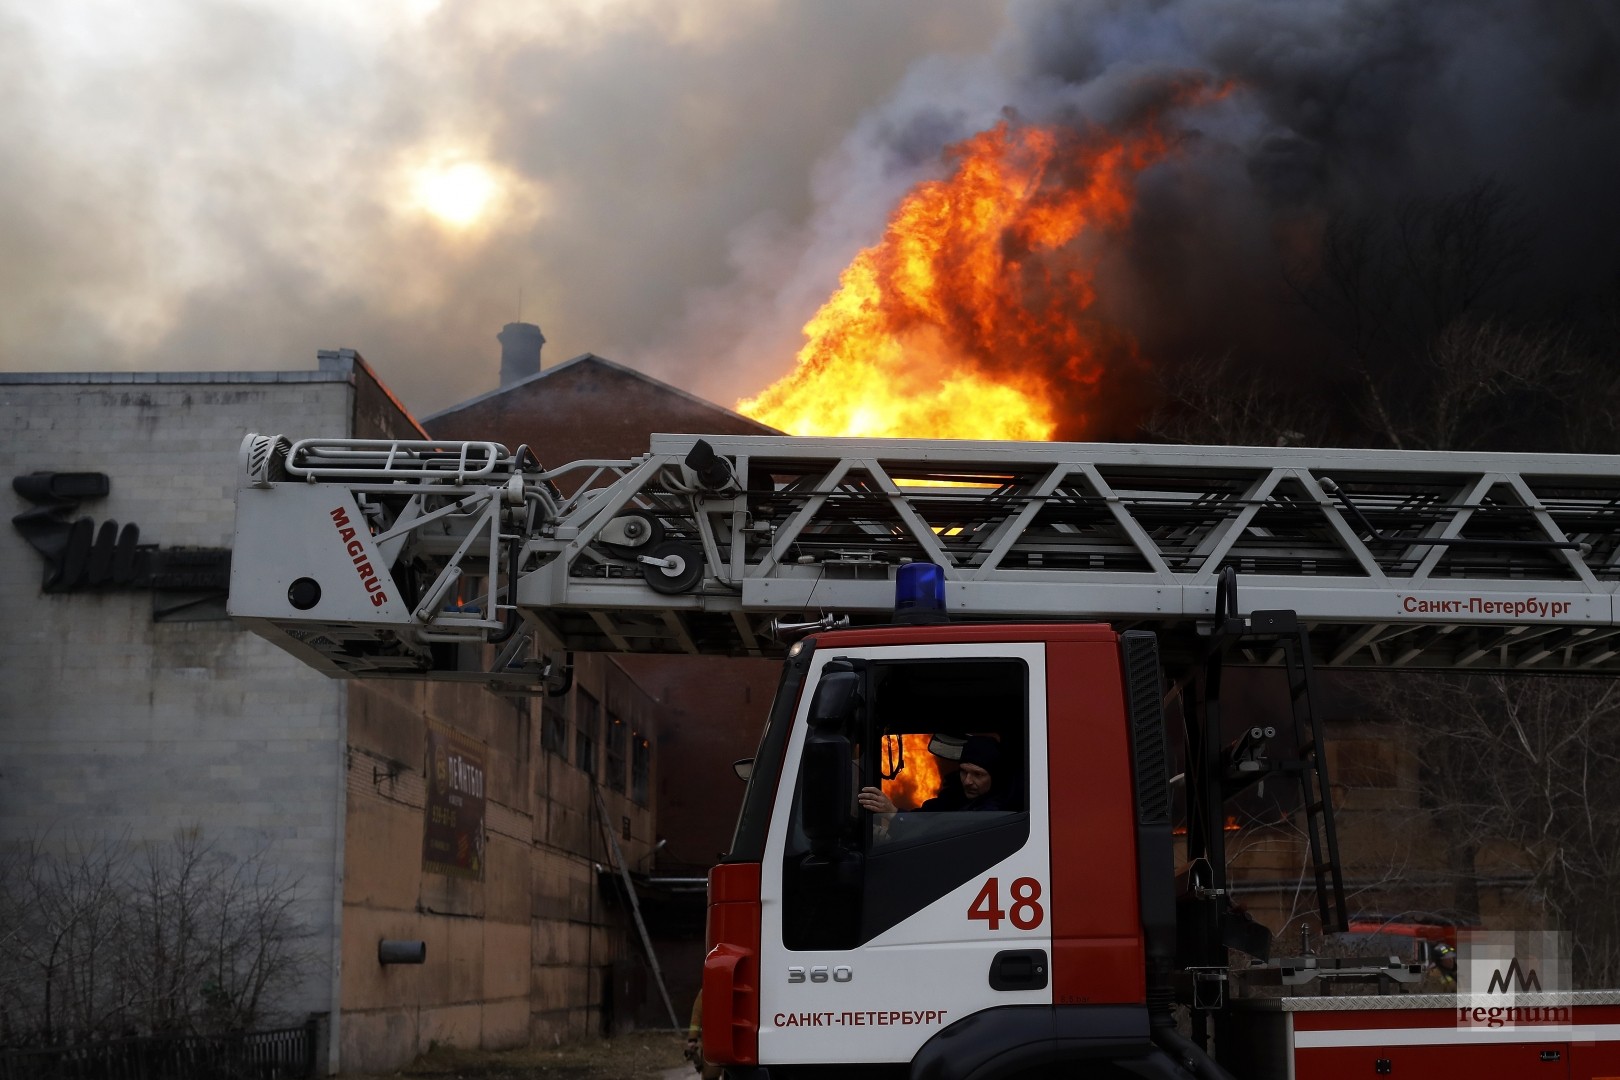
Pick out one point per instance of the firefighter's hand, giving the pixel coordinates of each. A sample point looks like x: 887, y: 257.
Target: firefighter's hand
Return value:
x: 691, y: 1047
x: 873, y: 799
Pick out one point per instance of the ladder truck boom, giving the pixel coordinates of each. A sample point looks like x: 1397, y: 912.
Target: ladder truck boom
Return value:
x: 375, y: 558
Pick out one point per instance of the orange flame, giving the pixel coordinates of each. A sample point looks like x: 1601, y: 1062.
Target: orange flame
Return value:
x: 918, y: 780
x: 969, y: 318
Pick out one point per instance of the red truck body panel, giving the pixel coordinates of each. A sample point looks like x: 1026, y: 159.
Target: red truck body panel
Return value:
x: 1096, y: 921
x: 1400, y: 1035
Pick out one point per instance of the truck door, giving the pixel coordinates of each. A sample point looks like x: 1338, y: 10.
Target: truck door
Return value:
x: 879, y: 930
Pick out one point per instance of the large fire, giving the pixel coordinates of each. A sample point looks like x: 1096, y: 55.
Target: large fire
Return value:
x: 969, y: 319
x: 916, y: 779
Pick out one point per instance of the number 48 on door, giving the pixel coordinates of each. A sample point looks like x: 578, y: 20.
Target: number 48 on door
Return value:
x: 1025, y: 912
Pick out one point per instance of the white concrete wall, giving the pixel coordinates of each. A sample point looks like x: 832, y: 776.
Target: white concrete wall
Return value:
x: 111, y: 723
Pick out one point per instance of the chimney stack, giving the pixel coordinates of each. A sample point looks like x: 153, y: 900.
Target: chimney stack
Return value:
x: 520, y: 351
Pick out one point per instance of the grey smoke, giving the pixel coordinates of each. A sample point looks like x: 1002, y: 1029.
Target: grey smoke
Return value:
x: 216, y: 198
x: 209, y: 184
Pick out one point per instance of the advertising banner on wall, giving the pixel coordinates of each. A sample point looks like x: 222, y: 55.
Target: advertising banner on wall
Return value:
x: 453, y: 840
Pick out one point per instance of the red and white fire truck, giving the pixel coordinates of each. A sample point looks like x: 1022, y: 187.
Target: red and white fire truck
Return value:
x: 1043, y: 597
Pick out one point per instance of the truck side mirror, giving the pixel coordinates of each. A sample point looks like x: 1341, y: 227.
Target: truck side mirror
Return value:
x: 828, y: 791
x: 836, y: 698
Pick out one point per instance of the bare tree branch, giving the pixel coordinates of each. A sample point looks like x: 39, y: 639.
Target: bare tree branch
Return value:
x: 1524, y: 768
x: 97, y: 944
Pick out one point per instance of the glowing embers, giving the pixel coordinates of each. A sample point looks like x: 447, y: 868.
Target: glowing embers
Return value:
x: 1231, y: 825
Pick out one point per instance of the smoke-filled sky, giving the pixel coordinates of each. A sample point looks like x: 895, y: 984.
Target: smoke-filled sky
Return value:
x: 207, y: 184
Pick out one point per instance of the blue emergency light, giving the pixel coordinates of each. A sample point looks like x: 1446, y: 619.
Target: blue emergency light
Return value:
x: 919, y: 593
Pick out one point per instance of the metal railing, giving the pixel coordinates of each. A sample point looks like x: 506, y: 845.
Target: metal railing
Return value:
x: 280, y: 1054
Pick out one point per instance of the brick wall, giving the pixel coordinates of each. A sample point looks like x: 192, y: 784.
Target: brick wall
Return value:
x: 525, y: 954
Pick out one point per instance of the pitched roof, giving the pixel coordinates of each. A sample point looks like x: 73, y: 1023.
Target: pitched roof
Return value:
x: 601, y: 361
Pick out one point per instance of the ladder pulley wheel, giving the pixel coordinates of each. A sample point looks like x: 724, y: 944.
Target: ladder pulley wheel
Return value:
x: 635, y: 531
x: 678, y: 567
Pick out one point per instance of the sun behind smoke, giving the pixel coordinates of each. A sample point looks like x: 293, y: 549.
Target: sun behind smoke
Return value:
x: 968, y: 319
x: 457, y: 194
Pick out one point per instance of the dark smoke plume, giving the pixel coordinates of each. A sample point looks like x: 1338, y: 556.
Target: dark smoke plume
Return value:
x: 1468, y: 148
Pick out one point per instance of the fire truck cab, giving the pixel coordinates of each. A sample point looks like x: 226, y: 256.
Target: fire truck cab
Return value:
x: 949, y: 942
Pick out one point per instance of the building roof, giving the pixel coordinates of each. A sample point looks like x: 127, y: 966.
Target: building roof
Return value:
x: 584, y: 359
x: 335, y: 366
x: 174, y: 378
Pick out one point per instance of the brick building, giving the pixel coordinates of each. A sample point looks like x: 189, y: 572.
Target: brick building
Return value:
x: 713, y: 707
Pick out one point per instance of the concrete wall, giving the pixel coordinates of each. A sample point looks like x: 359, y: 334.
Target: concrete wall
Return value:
x: 114, y: 726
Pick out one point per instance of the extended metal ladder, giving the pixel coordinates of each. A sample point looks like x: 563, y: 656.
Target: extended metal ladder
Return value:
x: 1391, y: 559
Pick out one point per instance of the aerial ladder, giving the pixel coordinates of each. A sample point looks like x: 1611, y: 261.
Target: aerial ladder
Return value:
x: 377, y: 558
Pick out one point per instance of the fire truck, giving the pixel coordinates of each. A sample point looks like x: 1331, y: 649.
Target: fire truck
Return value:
x: 1043, y: 600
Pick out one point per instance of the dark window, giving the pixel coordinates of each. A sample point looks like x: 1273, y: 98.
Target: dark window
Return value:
x: 522, y: 738
x: 618, y: 741
x: 586, y: 721
x: 553, y: 727
x: 640, y: 767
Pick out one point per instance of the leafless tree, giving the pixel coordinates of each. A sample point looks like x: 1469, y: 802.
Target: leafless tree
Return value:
x: 1415, y: 296
x: 1518, y: 778
x: 256, y: 944
x: 106, y: 938
x: 1457, y: 252
x: 1524, y: 772
x: 1223, y: 402
x: 61, y: 940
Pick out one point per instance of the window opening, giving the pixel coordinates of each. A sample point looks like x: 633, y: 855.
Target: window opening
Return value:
x: 640, y: 767
x: 586, y: 722
x: 946, y: 742
x: 618, y: 742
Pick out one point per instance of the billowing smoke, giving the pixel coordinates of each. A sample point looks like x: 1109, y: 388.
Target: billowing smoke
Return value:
x: 1467, y: 149
x: 235, y: 183
x: 238, y: 183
